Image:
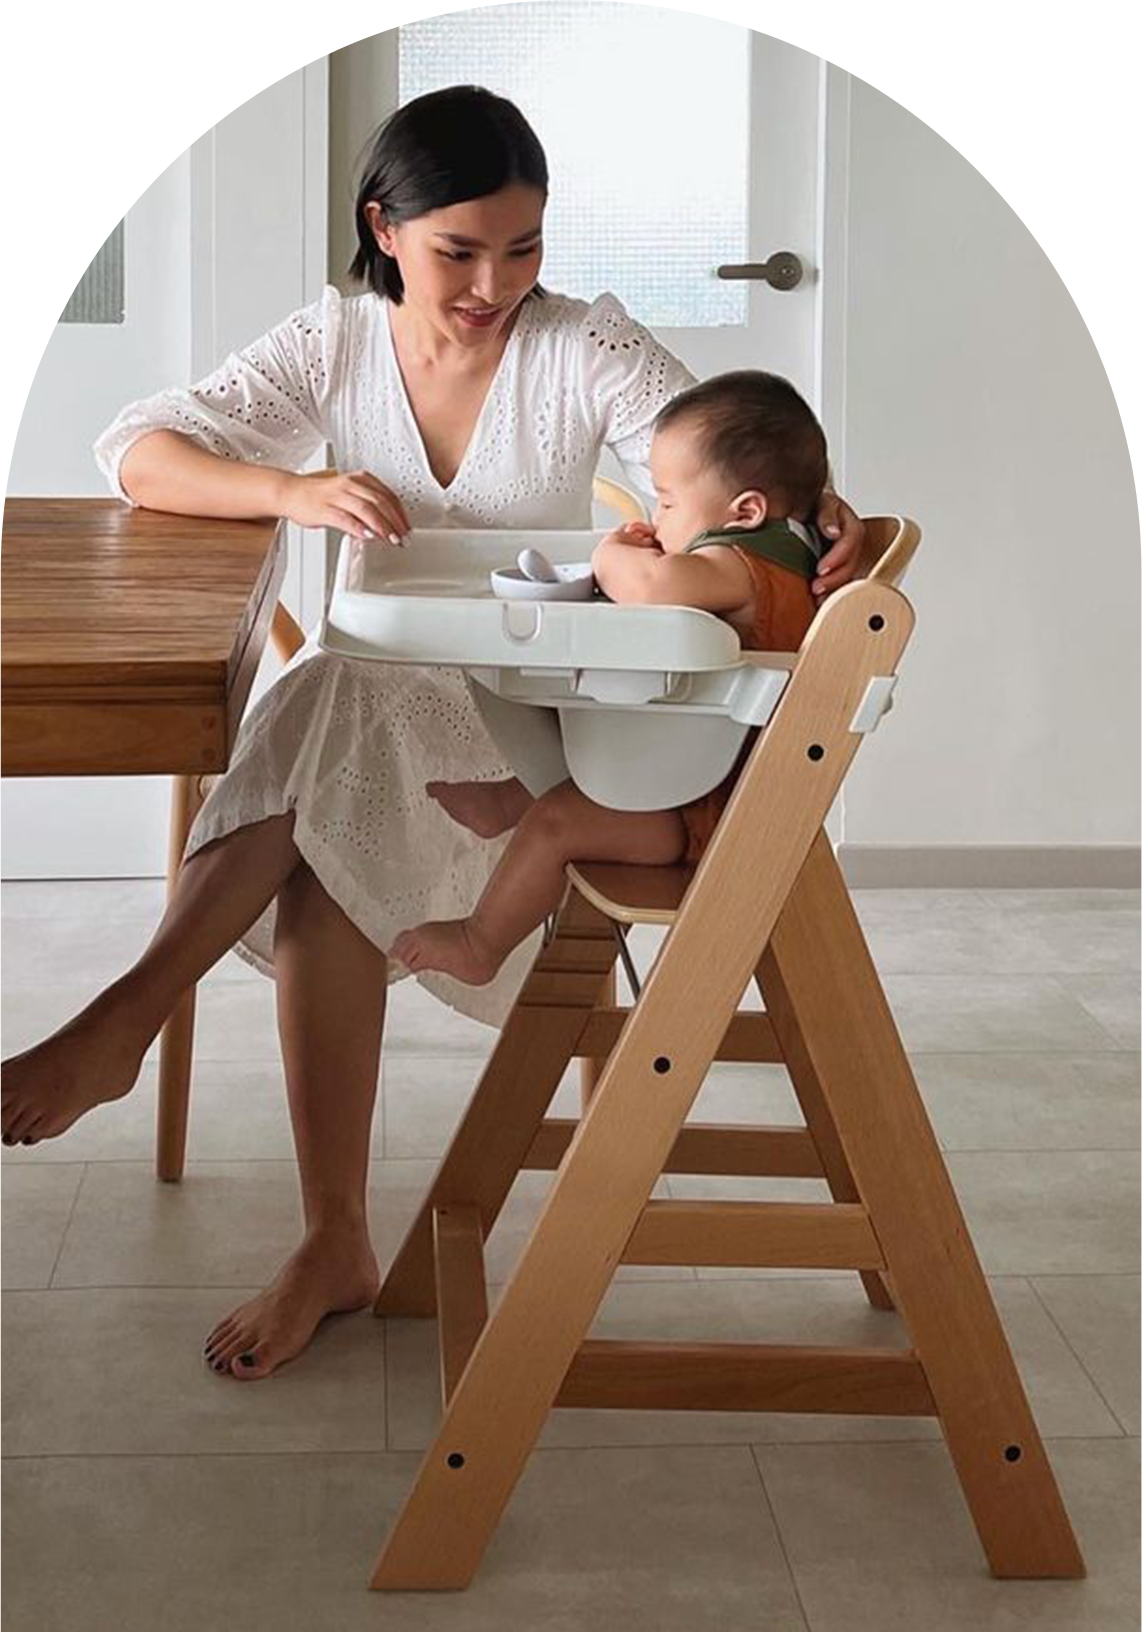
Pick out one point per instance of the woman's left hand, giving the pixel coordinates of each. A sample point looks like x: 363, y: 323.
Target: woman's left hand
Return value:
x: 837, y: 520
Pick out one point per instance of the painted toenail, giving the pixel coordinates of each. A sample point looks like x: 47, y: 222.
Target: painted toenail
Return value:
x: 219, y: 1365
x: 246, y: 1360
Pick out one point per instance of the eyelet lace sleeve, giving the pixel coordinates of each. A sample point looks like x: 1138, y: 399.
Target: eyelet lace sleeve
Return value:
x: 264, y: 404
x: 629, y: 376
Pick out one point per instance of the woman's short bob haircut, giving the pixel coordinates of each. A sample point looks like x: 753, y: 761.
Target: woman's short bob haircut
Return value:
x: 443, y: 148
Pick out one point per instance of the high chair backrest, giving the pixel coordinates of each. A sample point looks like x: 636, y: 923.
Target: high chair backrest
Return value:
x: 890, y: 542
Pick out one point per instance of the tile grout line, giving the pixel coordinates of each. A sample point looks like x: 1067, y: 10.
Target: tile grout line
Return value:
x: 557, y: 1450
x: 67, y: 1227
x: 1060, y: 980
x: 1079, y: 1361
x: 771, y: 1510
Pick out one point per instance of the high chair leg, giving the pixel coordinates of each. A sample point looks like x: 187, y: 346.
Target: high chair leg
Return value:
x: 590, y: 1070
x: 834, y: 1164
x: 836, y: 1030
x: 490, y: 1145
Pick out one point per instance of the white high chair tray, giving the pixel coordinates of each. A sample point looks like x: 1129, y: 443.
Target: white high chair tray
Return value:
x: 431, y: 602
x: 645, y: 707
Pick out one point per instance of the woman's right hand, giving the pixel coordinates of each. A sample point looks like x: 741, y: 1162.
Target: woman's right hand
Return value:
x: 353, y: 501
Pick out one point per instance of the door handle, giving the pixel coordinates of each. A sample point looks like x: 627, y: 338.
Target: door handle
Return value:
x: 783, y: 270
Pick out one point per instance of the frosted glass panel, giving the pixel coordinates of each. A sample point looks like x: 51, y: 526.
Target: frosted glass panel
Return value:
x: 644, y: 116
x: 61, y: 160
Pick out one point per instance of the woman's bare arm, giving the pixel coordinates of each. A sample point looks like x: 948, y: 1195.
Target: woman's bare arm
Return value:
x: 167, y: 471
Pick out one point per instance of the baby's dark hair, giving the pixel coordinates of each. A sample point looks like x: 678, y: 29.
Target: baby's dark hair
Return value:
x: 760, y: 433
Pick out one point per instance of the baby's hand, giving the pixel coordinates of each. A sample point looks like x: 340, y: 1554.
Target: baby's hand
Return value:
x: 640, y: 534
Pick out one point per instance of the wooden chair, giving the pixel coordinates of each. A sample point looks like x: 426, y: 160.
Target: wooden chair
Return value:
x: 768, y: 903
x: 176, y: 1049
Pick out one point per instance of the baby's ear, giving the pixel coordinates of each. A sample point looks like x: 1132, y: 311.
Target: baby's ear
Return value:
x: 749, y: 509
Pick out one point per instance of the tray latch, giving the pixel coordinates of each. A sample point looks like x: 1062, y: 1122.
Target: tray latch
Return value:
x: 632, y: 687
x: 875, y: 703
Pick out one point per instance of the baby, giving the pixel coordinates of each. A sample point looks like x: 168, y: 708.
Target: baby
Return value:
x: 738, y: 464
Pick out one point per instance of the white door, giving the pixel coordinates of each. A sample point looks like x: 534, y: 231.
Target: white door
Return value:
x: 676, y: 144
x: 223, y: 244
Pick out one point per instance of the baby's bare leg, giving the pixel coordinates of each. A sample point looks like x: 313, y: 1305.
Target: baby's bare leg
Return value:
x: 485, y: 808
x: 528, y: 883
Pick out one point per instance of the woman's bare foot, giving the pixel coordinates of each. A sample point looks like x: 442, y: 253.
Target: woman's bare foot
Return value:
x: 484, y: 808
x: 93, y: 1059
x: 451, y: 946
x: 333, y: 1272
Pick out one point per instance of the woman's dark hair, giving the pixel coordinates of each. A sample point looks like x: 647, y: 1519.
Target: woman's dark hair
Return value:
x: 760, y: 433
x: 441, y: 149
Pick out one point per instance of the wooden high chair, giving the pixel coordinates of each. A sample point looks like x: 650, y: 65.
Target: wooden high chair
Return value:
x: 176, y: 1051
x: 767, y: 902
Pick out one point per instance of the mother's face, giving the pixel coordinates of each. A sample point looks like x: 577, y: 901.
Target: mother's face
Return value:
x: 467, y: 267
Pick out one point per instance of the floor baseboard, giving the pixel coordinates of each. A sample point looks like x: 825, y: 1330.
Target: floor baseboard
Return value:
x: 990, y: 866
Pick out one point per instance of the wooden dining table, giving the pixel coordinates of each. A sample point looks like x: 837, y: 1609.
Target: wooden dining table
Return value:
x: 129, y: 641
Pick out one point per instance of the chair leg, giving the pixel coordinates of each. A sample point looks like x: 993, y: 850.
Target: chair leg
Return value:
x: 834, y: 1025
x: 177, y: 1043
x: 818, y: 1120
x: 591, y: 1070
x: 490, y: 1145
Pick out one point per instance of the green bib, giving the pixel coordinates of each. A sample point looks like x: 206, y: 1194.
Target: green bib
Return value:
x: 785, y: 542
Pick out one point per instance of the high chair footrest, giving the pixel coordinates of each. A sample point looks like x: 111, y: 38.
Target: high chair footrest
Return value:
x: 743, y: 1150
x: 746, y: 1377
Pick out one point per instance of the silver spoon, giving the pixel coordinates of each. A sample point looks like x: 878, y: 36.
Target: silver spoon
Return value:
x: 535, y: 565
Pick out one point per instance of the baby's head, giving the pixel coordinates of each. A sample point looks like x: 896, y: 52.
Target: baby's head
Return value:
x: 731, y: 452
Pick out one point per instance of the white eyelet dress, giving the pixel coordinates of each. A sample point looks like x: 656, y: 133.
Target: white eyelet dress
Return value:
x: 348, y: 745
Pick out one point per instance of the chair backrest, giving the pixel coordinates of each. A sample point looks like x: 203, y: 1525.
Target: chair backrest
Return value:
x: 626, y: 505
x: 890, y: 542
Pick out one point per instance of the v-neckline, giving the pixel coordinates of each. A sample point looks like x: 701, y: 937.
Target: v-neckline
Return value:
x: 478, y: 426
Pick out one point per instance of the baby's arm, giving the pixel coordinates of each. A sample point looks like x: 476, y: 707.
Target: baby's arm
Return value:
x: 712, y: 580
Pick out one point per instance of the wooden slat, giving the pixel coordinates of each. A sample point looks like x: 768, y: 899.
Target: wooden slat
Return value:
x: 746, y: 1377
x: 704, y: 1147
x: 562, y: 988
x: 461, y: 1291
x: 769, y: 1234
x: 749, y: 1037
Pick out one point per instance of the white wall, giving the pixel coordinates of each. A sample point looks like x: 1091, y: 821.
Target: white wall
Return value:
x: 975, y: 401
x: 363, y: 90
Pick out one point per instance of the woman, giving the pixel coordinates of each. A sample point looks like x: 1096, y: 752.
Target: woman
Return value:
x: 456, y: 392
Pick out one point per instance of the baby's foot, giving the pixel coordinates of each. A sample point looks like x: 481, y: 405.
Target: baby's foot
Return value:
x: 332, y: 1272
x: 484, y: 808
x: 93, y: 1059
x: 451, y: 947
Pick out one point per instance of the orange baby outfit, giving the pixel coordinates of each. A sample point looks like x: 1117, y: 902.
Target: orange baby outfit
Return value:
x: 783, y: 610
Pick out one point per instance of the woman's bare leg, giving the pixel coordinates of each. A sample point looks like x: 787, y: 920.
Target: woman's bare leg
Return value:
x: 219, y: 893
x: 331, y: 984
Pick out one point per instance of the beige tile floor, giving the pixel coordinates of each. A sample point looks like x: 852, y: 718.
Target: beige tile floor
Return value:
x: 142, y: 1491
